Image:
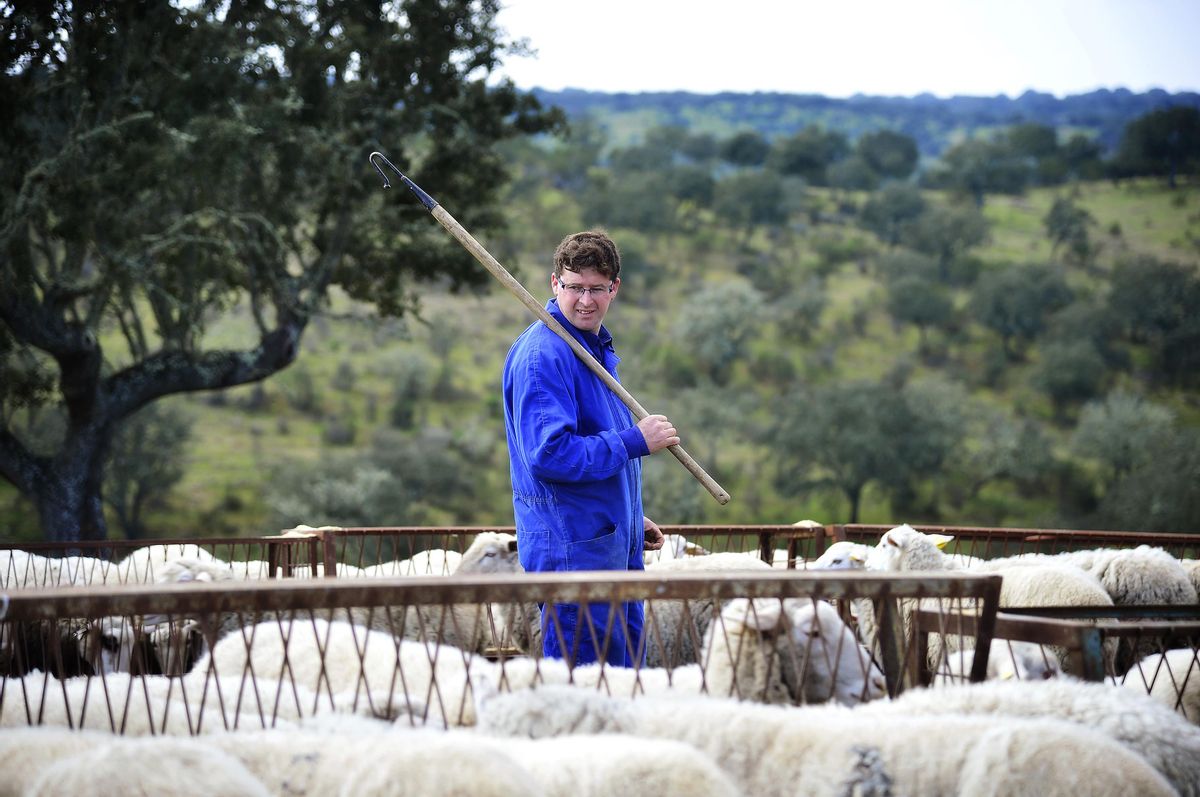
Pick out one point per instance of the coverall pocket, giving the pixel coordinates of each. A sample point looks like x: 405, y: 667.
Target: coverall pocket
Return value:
x: 605, y: 552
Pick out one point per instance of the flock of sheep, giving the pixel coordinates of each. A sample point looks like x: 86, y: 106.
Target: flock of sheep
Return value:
x: 762, y: 696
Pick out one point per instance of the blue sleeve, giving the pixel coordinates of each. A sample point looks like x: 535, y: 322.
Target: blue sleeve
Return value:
x: 546, y: 421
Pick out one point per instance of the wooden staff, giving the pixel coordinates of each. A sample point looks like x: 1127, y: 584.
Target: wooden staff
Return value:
x: 518, y: 290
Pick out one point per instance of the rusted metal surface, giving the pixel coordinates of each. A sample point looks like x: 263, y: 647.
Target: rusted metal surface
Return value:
x: 190, y: 657
x: 1150, y: 648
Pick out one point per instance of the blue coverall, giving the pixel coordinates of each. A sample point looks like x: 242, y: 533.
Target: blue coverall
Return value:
x: 574, y: 454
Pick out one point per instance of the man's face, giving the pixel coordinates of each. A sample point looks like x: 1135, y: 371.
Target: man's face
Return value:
x: 584, y: 297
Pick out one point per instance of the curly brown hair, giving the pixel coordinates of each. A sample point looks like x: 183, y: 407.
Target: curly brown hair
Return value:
x: 588, y: 249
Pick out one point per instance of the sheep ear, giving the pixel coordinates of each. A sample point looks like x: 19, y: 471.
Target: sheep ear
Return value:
x: 512, y: 546
x: 890, y: 540
x: 940, y: 540
x: 857, y: 556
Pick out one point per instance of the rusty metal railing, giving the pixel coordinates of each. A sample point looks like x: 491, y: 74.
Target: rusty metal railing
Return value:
x: 1154, y: 649
x: 195, y: 657
x: 996, y: 542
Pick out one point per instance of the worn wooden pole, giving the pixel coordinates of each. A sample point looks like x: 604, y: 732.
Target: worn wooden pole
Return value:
x: 518, y: 290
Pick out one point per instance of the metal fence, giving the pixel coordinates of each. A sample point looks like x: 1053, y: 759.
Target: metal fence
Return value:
x: 1150, y: 649
x: 348, y: 553
x: 196, y: 657
x: 993, y: 543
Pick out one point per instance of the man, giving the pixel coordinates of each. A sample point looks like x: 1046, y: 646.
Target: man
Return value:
x: 574, y: 453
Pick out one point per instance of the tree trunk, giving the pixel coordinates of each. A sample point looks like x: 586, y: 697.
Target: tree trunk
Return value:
x: 68, y: 496
x: 855, y: 496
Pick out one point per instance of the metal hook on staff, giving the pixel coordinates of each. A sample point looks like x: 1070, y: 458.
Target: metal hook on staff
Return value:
x: 518, y: 290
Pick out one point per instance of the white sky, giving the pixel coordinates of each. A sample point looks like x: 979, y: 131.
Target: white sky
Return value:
x: 844, y: 47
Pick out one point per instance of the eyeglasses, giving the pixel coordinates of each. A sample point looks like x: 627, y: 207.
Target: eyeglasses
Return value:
x: 579, y: 291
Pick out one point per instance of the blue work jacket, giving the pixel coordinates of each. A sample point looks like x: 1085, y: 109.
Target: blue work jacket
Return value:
x: 574, y: 460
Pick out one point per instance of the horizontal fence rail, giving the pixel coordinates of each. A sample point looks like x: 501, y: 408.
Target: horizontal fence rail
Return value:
x: 196, y: 657
x: 1152, y: 649
x: 996, y: 542
x: 351, y: 552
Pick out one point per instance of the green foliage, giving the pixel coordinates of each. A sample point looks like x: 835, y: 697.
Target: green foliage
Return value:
x: 748, y: 148
x: 1120, y: 432
x: 720, y: 323
x: 808, y: 154
x: 1069, y: 373
x: 914, y: 300
x: 849, y: 434
x: 887, y: 153
x: 751, y: 199
x: 1163, y: 143
x: 888, y: 212
x: 1015, y: 302
x: 1162, y: 492
x: 1158, y: 303
x: 947, y: 234
x: 1067, y: 226
x: 158, y: 164
x: 976, y: 168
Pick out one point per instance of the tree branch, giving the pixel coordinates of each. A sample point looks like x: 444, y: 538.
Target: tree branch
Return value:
x: 174, y: 371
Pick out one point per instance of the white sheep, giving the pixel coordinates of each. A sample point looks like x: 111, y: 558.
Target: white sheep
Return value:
x: 20, y: 569
x: 842, y: 555
x: 1025, y: 583
x: 617, y: 764
x: 117, y: 703
x: 1007, y: 660
x: 771, y: 750
x: 346, y: 667
x: 434, y: 562
x: 1141, y: 576
x: 1192, y: 568
x: 1162, y: 737
x: 25, y: 752
x: 789, y: 651
x: 142, y: 564
x: 1172, y: 678
x: 476, y: 627
x: 675, y: 546
x: 674, y: 627
x: 175, y: 766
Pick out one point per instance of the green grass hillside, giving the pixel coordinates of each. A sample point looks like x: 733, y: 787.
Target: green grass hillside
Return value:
x: 363, y: 386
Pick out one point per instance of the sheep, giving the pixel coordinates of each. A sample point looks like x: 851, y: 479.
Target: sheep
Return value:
x: 818, y: 750
x: 1007, y: 659
x: 468, y: 626
x: 789, y: 651
x: 1172, y: 678
x: 182, y: 767
x: 142, y: 564
x: 619, y: 764
x: 1025, y: 583
x: 1192, y: 568
x: 435, y: 562
x: 350, y: 668
x: 1162, y: 737
x: 842, y: 555
x: 356, y: 759
x: 23, y: 569
x: 673, y: 628
x: 25, y: 752
x: 1141, y: 576
x: 117, y: 702
x: 675, y: 546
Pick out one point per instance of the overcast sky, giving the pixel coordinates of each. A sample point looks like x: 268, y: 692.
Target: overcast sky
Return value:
x: 844, y: 47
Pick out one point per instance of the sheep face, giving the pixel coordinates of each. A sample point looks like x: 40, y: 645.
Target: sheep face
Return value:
x: 491, y: 553
x: 843, y: 556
